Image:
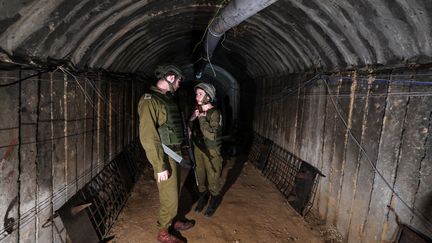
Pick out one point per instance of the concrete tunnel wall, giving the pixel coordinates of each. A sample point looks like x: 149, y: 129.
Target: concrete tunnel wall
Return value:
x: 389, y: 114
x: 377, y: 55
x: 58, y: 130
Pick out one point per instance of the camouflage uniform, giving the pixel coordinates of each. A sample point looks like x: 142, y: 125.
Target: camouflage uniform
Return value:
x: 160, y: 122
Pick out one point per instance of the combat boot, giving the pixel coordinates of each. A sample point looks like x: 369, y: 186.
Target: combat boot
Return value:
x: 183, y: 225
x: 202, y: 201
x: 214, y: 203
x: 165, y: 237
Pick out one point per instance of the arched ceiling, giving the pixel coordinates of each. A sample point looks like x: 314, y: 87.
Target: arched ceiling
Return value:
x: 290, y: 36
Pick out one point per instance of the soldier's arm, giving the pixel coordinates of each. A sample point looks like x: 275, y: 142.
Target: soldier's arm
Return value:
x: 209, y: 127
x: 150, y: 116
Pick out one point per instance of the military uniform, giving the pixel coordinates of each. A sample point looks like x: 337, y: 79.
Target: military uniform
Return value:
x: 207, y: 145
x: 160, y: 122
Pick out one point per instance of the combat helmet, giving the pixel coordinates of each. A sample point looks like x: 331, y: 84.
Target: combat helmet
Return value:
x: 162, y: 71
x: 208, y: 88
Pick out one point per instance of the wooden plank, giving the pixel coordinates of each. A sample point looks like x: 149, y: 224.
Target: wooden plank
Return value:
x: 9, y: 139
x: 28, y: 151
x: 372, y: 126
x: 44, y: 160
x: 357, y: 99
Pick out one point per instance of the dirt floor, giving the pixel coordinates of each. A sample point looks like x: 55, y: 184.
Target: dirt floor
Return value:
x: 252, y: 210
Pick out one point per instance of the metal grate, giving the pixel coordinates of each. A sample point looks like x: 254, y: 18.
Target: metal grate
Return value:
x: 281, y: 169
x: 296, y: 179
x: 99, y: 202
x: 107, y: 193
x: 260, y: 151
x: 255, y: 151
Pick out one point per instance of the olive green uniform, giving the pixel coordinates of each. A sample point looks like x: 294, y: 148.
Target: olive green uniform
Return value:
x: 207, y: 144
x: 160, y: 122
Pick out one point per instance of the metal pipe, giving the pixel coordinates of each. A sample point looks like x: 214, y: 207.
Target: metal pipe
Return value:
x: 232, y: 15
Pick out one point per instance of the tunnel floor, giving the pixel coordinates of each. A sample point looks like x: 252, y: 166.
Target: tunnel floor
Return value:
x: 252, y: 210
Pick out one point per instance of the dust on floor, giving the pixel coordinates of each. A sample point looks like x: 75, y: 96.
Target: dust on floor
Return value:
x: 252, y: 210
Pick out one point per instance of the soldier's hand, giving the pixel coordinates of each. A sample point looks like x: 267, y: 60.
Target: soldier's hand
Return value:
x: 194, y: 115
x: 162, y: 176
x: 202, y: 114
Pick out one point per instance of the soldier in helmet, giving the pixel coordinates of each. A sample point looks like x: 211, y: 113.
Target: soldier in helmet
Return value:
x: 206, y: 123
x: 160, y: 123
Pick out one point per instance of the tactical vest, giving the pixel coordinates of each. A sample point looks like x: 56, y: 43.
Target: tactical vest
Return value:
x: 171, y: 132
x: 202, y: 137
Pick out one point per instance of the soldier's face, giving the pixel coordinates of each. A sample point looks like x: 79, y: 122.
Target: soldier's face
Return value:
x: 177, y: 83
x: 174, y: 80
x: 199, y: 96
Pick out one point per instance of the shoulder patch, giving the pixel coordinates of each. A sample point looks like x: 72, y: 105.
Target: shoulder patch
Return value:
x: 147, y: 96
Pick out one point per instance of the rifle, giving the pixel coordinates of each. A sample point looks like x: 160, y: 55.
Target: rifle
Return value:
x: 189, y: 146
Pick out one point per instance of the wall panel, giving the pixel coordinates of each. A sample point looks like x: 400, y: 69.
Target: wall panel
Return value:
x: 53, y: 141
x: 9, y: 151
x: 389, y: 113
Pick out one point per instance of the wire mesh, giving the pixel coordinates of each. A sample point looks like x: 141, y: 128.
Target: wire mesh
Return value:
x: 257, y: 143
x: 281, y: 169
x: 106, y: 193
x: 294, y: 178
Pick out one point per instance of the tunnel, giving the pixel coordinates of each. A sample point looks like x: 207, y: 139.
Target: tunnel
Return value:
x: 325, y: 106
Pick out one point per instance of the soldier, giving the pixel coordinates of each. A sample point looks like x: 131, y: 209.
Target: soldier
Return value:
x: 206, y: 136
x: 160, y: 123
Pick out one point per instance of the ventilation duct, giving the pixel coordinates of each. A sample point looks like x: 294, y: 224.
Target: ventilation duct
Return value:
x: 232, y: 15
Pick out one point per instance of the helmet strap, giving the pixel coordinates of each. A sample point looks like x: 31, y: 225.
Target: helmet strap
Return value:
x: 206, y: 99
x: 171, y: 87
